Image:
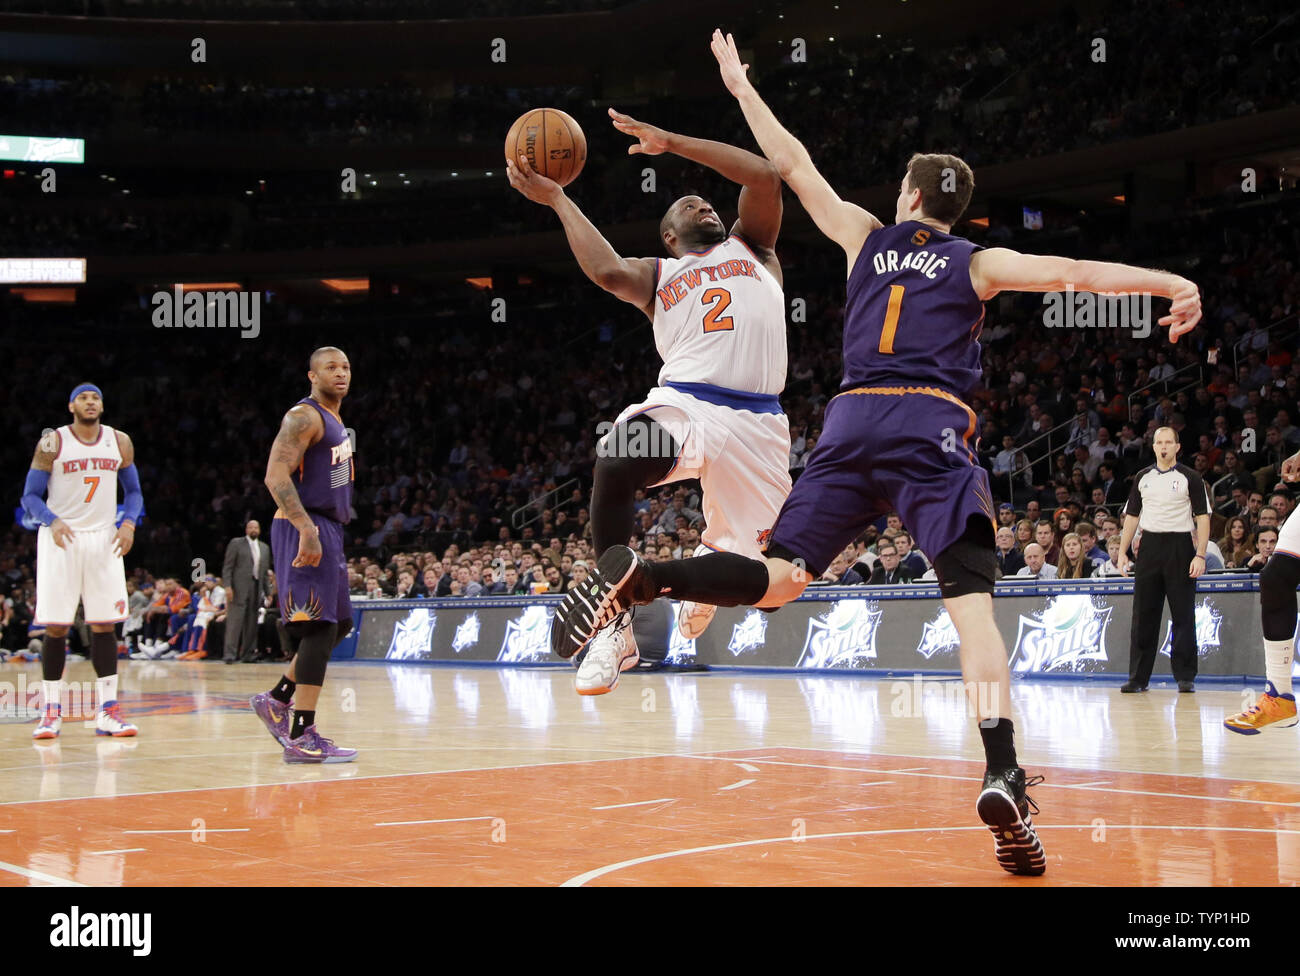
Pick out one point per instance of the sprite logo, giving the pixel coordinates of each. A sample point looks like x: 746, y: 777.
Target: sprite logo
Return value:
x: 843, y: 637
x: 1069, y: 635
x: 527, y: 636
x: 413, y: 636
x: 1208, y: 622
x: 938, y: 635
x: 466, y: 633
x: 749, y: 633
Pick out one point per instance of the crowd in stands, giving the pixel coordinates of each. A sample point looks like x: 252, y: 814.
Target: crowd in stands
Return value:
x: 305, y: 9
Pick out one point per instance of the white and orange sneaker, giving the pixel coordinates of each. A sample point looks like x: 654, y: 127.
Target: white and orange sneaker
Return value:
x: 109, y: 722
x: 51, y: 723
x: 1270, y: 709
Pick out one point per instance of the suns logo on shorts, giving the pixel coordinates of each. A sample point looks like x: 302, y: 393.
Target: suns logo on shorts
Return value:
x: 303, y: 611
x: 920, y: 237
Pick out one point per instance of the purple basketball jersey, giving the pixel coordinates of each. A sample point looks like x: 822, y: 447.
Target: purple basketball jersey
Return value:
x: 910, y: 313
x: 324, y: 480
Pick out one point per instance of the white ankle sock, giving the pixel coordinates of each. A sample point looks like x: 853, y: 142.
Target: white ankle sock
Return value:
x: 106, y: 690
x: 1278, y: 656
x: 51, y: 691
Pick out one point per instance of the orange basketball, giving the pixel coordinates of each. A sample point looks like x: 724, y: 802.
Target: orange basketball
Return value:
x: 551, y: 141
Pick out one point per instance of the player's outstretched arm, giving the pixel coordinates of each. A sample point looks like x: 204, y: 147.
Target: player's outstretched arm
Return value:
x: 38, y: 480
x: 760, y: 196
x: 845, y: 223
x: 1002, y: 269
x: 631, y: 279
x: 300, y: 429
x: 132, y: 497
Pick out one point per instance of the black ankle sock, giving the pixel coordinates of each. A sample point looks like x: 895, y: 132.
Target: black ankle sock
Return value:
x: 723, y: 579
x: 54, y: 654
x: 302, y: 720
x: 999, y: 745
x: 283, y: 692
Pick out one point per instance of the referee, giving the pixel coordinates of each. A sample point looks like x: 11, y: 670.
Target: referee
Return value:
x: 1167, y: 498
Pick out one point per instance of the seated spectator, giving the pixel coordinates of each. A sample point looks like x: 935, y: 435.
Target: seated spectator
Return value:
x: 1036, y: 564
x: 1265, y: 543
x: 1074, y: 563
x: 211, y: 601
x: 1045, y: 537
x: 1092, y: 551
x: 1110, y: 567
x: 405, y: 585
x: 1010, y: 559
x: 840, y: 571
x: 888, y: 571
x: 1236, y: 544
x: 909, y: 559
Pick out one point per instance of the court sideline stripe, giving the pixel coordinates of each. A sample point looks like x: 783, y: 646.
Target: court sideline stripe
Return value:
x: 40, y: 876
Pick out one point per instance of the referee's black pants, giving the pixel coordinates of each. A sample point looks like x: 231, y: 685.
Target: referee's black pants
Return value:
x: 1161, y: 571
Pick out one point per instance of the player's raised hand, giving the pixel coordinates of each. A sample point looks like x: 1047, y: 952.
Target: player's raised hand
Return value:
x: 124, y: 539
x: 653, y: 140
x: 61, y: 533
x: 1291, y: 468
x: 1184, y: 310
x: 309, y: 550
x: 531, y: 183
x: 733, y: 72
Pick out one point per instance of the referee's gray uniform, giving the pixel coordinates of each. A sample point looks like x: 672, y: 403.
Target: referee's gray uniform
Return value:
x: 1166, y: 504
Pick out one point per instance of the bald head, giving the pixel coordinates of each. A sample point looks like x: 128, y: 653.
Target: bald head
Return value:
x: 690, y: 223
x: 322, y: 354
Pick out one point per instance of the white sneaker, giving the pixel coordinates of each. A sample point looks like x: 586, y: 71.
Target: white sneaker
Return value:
x: 693, y: 618
x: 51, y: 723
x: 610, y: 653
x: 109, y: 722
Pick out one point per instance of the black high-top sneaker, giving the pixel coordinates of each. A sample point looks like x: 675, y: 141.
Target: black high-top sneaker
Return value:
x: 1005, y: 807
x: 618, y: 582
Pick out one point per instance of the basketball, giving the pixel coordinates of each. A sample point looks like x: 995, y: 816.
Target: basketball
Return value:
x: 552, y: 142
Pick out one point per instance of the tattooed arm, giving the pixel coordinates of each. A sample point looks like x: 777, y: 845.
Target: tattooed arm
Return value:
x: 301, y: 428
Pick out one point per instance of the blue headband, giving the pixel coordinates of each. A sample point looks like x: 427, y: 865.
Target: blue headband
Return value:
x: 86, y: 388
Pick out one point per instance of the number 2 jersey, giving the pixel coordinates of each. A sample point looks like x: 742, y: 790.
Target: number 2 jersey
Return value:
x: 911, y: 315
x: 719, y: 319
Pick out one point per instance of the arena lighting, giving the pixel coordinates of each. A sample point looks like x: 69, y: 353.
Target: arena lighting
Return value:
x: 47, y: 296
x: 42, y: 270
x: 347, y: 286
x: 1119, y: 198
x: 188, y: 286
x: 38, y: 149
x: 980, y: 221
x: 482, y: 284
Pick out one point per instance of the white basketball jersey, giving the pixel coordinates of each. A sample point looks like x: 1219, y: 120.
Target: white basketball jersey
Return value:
x: 720, y: 319
x: 83, y: 484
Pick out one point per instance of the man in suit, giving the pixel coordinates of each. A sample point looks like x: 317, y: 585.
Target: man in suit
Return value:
x: 245, y: 570
x: 1010, y: 560
x: 887, y: 570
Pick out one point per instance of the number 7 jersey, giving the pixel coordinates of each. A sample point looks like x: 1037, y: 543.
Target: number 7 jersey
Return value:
x: 911, y: 315
x: 83, y: 480
x: 719, y: 318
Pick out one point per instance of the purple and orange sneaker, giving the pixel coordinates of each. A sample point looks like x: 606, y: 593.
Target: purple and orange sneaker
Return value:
x: 274, y: 715
x: 312, y: 747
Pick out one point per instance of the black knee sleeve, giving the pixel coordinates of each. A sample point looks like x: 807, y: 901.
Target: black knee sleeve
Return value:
x: 103, y: 653
x: 316, y: 640
x: 1277, y: 600
x: 54, y: 655
x: 636, y: 453
x: 969, y: 565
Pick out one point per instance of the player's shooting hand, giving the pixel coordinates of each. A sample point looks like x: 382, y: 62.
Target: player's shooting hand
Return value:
x: 1291, y: 468
x: 733, y: 72
x: 1184, y: 310
x: 124, y: 540
x: 309, y: 550
x: 532, y: 184
x: 653, y: 140
x: 62, y: 534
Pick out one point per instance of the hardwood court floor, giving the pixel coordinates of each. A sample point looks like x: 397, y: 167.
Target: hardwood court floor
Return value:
x: 488, y: 776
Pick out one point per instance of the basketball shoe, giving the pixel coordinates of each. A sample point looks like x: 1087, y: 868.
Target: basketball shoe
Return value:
x: 1271, y: 709
x: 618, y: 583
x: 1004, y: 806
x: 610, y: 653
x: 274, y: 715
x: 312, y: 747
x: 51, y: 723
x: 109, y: 722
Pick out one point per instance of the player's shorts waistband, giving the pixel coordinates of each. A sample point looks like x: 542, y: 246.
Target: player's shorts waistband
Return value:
x: 310, y: 511
x: 723, y: 397
x: 891, y: 389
